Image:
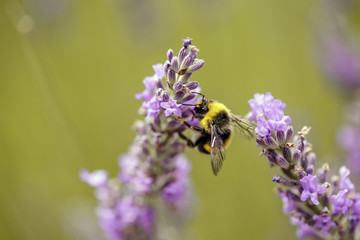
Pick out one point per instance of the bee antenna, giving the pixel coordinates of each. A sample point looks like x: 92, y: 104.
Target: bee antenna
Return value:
x: 188, y: 104
x: 203, y: 96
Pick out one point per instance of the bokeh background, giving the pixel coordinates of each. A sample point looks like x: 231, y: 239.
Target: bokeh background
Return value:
x: 69, y: 70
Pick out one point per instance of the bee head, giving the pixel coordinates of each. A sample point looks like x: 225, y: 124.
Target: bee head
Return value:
x: 201, y: 107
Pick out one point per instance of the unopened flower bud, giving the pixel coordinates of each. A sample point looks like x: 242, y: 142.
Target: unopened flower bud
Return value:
x: 287, y: 153
x: 171, y: 76
x: 280, y: 136
x: 178, y: 86
x: 187, y: 42
x: 179, y: 95
x: 192, y: 85
x: 282, y: 162
x: 167, y: 67
x: 175, y: 64
x: 170, y: 54
x: 270, y: 143
x: 186, y: 62
x: 300, y: 144
x: 182, y: 53
x: 296, y: 156
x: 260, y: 141
x: 289, y: 133
x: 196, y: 66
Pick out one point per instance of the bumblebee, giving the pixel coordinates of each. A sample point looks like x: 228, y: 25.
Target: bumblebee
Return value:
x: 216, y: 127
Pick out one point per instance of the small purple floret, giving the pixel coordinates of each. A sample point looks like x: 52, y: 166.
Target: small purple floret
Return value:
x: 171, y: 107
x: 311, y: 189
x: 341, y: 203
x: 324, y: 223
x: 288, y: 204
x: 345, y: 182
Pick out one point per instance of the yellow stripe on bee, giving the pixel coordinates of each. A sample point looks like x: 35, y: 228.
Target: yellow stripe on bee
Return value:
x: 214, y: 109
x: 207, y: 147
x: 228, y: 141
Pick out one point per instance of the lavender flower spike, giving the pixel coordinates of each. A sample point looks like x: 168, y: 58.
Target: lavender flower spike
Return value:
x: 153, y: 172
x: 328, y: 209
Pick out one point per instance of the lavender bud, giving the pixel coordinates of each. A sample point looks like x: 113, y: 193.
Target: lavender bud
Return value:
x: 192, y: 85
x: 179, y: 95
x: 170, y: 54
x: 165, y: 97
x: 304, y: 162
x: 271, y: 156
x: 184, y: 78
x: 186, y: 62
x: 189, y: 98
x: 171, y: 76
x: 282, y: 162
x: 159, y: 84
x: 178, y: 86
x: 296, y: 156
x: 300, y: 144
x: 175, y: 64
x: 311, y: 157
x: 196, y: 66
x: 187, y: 42
x: 167, y: 66
x: 182, y: 53
x: 287, y: 153
x: 301, y: 173
x: 289, y: 133
x: 277, y: 179
x: 354, y: 220
x: 310, y: 170
x: 284, y: 181
x: 270, y: 143
x: 280, y: 136
x: 260, y: 141
x: 193, y: 52
x: 322, y: 173
x: 335, y: 180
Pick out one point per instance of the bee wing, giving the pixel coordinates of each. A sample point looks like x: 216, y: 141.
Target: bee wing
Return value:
x: 243, y: 125
x: 217, y: 150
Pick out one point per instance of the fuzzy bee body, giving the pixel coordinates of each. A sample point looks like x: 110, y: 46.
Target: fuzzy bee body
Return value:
x: 216, y: 127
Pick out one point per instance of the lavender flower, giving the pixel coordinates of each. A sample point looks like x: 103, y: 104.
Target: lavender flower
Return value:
x: 304, y: 230
x: 154, y: 170
x: 311, y: 189
x: 341, y: 202
x: 289, y: 204
x: 324, y: 223
x: 307, y: 194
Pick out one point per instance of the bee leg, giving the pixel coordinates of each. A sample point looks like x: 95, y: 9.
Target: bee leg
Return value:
x: 188, y: 141
x: 194, y: 128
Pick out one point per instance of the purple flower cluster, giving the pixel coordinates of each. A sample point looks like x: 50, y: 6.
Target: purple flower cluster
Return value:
x: 154, y: 169
x: 272, y: 125
x: 321, y: 205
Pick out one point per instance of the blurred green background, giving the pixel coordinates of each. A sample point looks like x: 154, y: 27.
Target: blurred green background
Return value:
x: 69, y: 70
